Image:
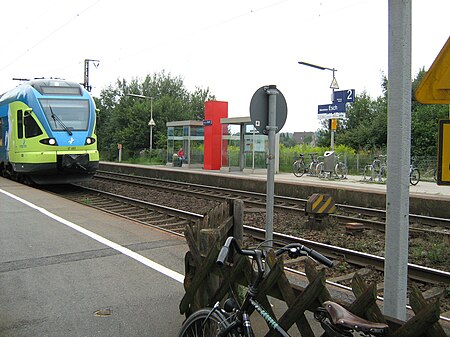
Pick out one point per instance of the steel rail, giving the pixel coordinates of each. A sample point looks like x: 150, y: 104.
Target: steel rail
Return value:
x: 185, y: 216
x: 287, y: 203
x: 415, y: 272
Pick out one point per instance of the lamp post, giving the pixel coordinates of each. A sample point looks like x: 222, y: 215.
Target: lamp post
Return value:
x: 151, y: 123
x: 334, y: 85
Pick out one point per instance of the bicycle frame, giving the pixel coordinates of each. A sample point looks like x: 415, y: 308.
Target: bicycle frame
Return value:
x: 377, y: 168
x: 299, y: 166
x: 313, y: 165
x: 249, y: 305
x: 233, y: 320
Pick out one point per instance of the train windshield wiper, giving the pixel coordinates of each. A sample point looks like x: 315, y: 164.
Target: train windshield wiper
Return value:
x: 59, y: 121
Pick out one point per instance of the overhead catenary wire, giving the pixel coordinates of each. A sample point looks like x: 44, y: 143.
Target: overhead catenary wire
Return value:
x: 46, y: 37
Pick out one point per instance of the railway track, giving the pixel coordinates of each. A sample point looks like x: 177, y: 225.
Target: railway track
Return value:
x: 150, y: 214
x: 415, y: 272
x: 174, y: 221
x: 369, y: 217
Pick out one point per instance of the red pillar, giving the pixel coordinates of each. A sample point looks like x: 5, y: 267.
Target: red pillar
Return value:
x: 214, y: 146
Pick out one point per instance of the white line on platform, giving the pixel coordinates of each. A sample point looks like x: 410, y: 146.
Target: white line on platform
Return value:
x: 142, y: 259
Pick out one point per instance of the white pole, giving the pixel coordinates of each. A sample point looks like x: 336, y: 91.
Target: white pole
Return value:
x: 151, y: 124
x: 398, y: 159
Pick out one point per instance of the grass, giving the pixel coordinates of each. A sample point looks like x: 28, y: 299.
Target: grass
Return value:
x: 434, y: 249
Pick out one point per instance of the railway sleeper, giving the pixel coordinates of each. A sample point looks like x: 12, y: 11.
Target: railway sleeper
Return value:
x: 348, y: 277
x: 181, y: 224
x: 149, y: 218
x: 161, y: 221
x: 139, y: 213
x: 153, y: 218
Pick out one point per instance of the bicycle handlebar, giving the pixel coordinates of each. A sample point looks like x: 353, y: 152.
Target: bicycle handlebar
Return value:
x: 294, y: 250
x: 230, y: 243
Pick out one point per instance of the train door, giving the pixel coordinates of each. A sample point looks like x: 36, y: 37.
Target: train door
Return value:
x: 22, y: 134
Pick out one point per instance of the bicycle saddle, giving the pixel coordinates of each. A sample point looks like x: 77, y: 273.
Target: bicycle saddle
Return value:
x: 342, y: 317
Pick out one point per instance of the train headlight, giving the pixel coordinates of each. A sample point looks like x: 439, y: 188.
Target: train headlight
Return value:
x: 89, y: 141
x: 48, y: 141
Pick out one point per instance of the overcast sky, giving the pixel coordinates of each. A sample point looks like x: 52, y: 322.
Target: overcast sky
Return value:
x: 233, y: 47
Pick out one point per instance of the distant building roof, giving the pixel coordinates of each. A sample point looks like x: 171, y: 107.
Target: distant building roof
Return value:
x: 299, y: 137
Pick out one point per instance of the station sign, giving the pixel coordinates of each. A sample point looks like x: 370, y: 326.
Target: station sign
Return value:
x: 333, y: 110
x: 344, y: 96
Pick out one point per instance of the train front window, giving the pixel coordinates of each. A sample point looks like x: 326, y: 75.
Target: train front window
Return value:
x: 66, y: 114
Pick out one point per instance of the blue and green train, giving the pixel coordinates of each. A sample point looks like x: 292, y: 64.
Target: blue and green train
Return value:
x: 48, y: 132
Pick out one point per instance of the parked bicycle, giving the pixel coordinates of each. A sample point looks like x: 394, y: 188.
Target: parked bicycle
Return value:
x: 414, y: 174
x: 340, y: 169
x: 299, y: 167
x: 233, y: 320
x: 313, y: 165
x: 431, y: 173
x: 377, y: 170
x: 320, y: 170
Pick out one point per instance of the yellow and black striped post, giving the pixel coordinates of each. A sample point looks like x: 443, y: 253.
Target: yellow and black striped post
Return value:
x: 317, y: 208
x: 320, y: 204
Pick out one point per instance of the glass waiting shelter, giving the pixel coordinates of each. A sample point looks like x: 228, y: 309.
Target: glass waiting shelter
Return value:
x: 188, y: 135
x: 246, y: 147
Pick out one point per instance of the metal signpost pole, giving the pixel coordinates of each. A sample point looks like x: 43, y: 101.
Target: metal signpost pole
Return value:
x: 333, y: 86
x: 271, y: 128
x: 268, y: 111
x: 151, y: 123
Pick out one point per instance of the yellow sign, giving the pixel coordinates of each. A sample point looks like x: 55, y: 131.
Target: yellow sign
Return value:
x: 443, y: 169
x: 333, y: 124
x: 435, y: 86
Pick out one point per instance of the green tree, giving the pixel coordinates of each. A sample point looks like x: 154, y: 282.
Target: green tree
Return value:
x: 124, y: 119
x: 366, y: 124
x: 365, y: 127
x: 287, y: 140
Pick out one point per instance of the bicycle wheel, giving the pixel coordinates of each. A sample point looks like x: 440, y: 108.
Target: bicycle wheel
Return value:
x: 341, y: 170
x: 368, y: 173
x: 298, y: 168
x: 204, y: 324
x: 382, y: 176
x: 312, y: 168
x: 414, y: 176
x: 320, y: 170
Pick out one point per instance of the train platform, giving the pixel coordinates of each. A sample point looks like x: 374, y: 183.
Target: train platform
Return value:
x: 67, y: 269
x: 70, y: 270
x: 426, y: 198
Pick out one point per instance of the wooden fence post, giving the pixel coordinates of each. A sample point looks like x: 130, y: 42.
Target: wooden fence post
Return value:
x: 365, y: 304
x: 206, y: 284
x: 417, y: 302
